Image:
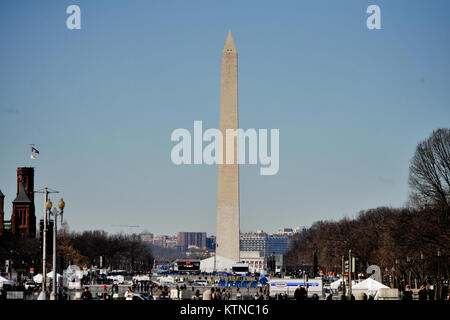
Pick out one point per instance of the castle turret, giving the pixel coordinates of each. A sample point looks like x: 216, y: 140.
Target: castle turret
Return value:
x: 2, y: 212
x: 23, y: 218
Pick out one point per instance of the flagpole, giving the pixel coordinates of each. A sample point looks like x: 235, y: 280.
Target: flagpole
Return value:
x: 31, y: 151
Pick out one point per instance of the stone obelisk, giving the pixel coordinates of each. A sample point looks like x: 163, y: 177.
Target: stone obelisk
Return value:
x: 227, y: 241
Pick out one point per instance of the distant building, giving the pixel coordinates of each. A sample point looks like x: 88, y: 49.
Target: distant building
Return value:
x: 256, y: 262
x: 300, y: 229
x: 160, y: 241
x: 264, y: 243
x: 211, y: 243
x: 286, y: 231
x: 187, y: 239
x: 258, y: 247
x: 146, y: 237
x: 23, y: 218
x: 254, y: 241
x: 290, y: 231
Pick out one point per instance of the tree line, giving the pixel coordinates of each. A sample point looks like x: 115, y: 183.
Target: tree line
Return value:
x: 117, y: 251
x: 413, y: 241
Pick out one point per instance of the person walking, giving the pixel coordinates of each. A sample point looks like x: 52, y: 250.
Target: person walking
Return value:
x: 129, y: 294
x: 86, y: 295
x: 407, y: 294
x: 238, y: 294
x: 297, y: 293
x: 196, y: 295
x: 207, y: 294
x: 213, y: 294
x: 300, y: 293
x: 423, y: 293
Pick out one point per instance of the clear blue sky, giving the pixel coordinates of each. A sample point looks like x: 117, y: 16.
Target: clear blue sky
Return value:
x: 100, y: 105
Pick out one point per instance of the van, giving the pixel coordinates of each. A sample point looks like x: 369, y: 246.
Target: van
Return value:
x: 288, y: 286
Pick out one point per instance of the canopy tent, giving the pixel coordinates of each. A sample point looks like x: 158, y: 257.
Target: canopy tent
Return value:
x: 218, y: 263
x: 369, y: 287
x: 263, y: 280
x: 141, y: 278
x: 38, y: 278
x: 50, y: 275
x: 336, y: 284
x: 5, y: 281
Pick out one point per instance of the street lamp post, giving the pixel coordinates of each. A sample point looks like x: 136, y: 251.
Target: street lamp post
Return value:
x: 45, y: 191
x: 408, y: 261
x: 437, y: 294
x: 423, y: 267
x: 43, y: 294
x: 350, y: 274
x: 56, y: 213
x: 397, y: 280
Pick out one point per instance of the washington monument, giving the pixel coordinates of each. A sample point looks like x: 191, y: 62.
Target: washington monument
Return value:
x: 227, y: 241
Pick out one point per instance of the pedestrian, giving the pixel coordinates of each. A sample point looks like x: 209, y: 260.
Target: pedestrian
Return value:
x: 213, y: 294
x: 297, y: 293
x: 422, y: 293
x: 238, y: 294
x: 207, y: 294
x: 197, y: 295
x: 430, y: 292
x: 407, y: 294
x: 301, y: 293
x: 86, y: 294
x: 129, y: 294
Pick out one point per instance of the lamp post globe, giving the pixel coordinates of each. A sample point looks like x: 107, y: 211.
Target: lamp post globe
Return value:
x: 61, y: 204
x: 48, y: 204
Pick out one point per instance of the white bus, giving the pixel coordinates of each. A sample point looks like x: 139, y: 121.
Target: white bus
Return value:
x: 288, y: 286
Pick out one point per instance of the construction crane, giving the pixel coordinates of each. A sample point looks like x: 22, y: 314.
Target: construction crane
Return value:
x: 126, y: 226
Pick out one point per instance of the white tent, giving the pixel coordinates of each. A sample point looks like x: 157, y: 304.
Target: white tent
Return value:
x: 50, y: 275
x: 5, y: 281
x: 336, y: 284
x: 369, y: 287
x: 38, y: 278
x: 222, y: 264
x: 141, y: 278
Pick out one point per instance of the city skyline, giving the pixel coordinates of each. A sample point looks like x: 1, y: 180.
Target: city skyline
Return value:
x: 100, y: 103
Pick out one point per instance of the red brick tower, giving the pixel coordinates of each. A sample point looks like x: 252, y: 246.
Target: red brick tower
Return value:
x: 23, y: 218
x: 2, y: 212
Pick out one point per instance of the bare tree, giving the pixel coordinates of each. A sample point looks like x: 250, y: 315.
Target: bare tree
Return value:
x: 429, y: 176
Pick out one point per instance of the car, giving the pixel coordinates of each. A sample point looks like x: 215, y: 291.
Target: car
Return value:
x: 29, y: 285
x: 200, y: 283
x: 140, y: 297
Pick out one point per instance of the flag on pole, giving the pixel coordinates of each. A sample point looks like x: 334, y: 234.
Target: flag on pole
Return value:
x: 33, y: 154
